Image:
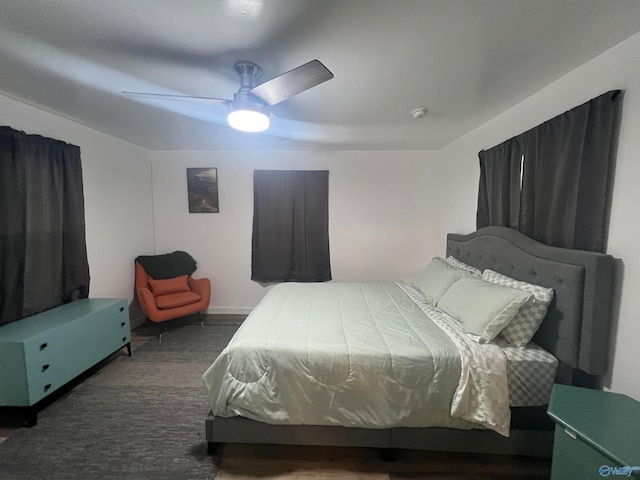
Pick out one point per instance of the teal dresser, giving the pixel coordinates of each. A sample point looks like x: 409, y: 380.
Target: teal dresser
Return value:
x: 597, y: 434
x: 41, y: 353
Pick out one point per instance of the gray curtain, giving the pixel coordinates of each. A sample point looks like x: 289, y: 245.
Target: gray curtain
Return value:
x: 290, y: 226
x: 43, y: 257
x: 567, y: 178
x: 499, y: 189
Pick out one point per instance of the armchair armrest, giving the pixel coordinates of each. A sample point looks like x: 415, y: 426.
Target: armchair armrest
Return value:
x: 201, y: 286
x: 147, y: 302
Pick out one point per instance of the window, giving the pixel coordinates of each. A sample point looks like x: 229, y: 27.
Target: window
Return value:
x: 43, y: 254
x: 290, y: 226
x: 554, y: 182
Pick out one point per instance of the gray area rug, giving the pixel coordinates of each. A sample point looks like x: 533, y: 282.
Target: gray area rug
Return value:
x: 137, y: 418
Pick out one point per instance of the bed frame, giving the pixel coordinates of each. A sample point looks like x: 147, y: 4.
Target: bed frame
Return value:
x: 575, y: 330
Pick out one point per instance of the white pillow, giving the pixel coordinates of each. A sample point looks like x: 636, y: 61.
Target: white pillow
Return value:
x: 484, y: 308
x: 451, y: 260
x: 436, y: 278
x: 530, y: 315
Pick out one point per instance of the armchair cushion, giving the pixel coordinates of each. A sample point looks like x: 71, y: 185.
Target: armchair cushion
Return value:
x: 170, y: 285
x: 174, y: 300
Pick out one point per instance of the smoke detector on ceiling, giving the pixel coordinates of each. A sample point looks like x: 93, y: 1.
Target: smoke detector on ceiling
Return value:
x: 419, y: 112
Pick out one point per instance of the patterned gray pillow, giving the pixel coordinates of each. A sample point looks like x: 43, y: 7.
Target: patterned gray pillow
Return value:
x: 525, y: 324
x: 453, y: 261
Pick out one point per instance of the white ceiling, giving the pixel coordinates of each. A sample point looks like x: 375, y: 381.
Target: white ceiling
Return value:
x: 465, y: 60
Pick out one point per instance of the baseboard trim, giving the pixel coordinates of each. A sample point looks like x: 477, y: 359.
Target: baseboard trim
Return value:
x: 243, y: 311
x: 229, y: 310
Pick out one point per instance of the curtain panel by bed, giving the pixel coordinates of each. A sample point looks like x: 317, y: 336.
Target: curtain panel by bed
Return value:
x: 43, y: 256
x: 290, y: 226
x: 553, y: 183
x: 499, y: 190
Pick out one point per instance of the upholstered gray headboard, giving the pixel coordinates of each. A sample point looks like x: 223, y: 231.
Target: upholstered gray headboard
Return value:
x: 576, y: 328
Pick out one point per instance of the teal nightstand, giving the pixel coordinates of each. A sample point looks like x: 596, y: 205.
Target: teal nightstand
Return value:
x: 597, y: 434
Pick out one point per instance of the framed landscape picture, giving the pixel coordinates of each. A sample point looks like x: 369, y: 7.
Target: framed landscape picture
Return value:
x: 202, y: 188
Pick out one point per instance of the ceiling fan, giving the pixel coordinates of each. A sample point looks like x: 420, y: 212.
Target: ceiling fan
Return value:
x: 249, y: 109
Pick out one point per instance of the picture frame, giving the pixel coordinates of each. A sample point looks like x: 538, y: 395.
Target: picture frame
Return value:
x: 202, y: 190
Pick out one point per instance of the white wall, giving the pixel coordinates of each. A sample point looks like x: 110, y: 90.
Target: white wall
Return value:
x: 379, y: 216
x: 117, y: 195
x: 618, y: 68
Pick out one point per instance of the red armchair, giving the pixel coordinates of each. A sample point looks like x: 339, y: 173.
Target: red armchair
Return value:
x: 174, y: 295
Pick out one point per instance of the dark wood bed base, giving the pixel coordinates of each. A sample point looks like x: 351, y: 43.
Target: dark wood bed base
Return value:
x: 575, y: 330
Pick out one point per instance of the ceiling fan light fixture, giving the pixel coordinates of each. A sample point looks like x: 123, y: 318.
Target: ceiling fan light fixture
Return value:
x: 249, y: 118
x: 249, y: 109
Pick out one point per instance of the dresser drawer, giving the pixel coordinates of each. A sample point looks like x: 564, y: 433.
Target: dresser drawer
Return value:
x: 52, y: 348
x: 572, y: 458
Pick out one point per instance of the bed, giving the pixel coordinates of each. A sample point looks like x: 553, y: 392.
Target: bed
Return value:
x: 573, y: 335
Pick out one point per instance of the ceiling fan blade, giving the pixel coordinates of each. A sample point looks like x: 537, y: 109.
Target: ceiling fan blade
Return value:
x: 181, y: 98
x: 292, y: 82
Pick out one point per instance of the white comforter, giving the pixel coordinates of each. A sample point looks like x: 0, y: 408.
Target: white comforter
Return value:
x: 357, y: 355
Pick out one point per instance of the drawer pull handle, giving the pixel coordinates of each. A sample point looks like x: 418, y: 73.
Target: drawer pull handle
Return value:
x: 47, y: 387
x: 122, y: 324
x: 122, y: 309
x: 45, y: 367
x: 124, y: 339
x: 43, y: 346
